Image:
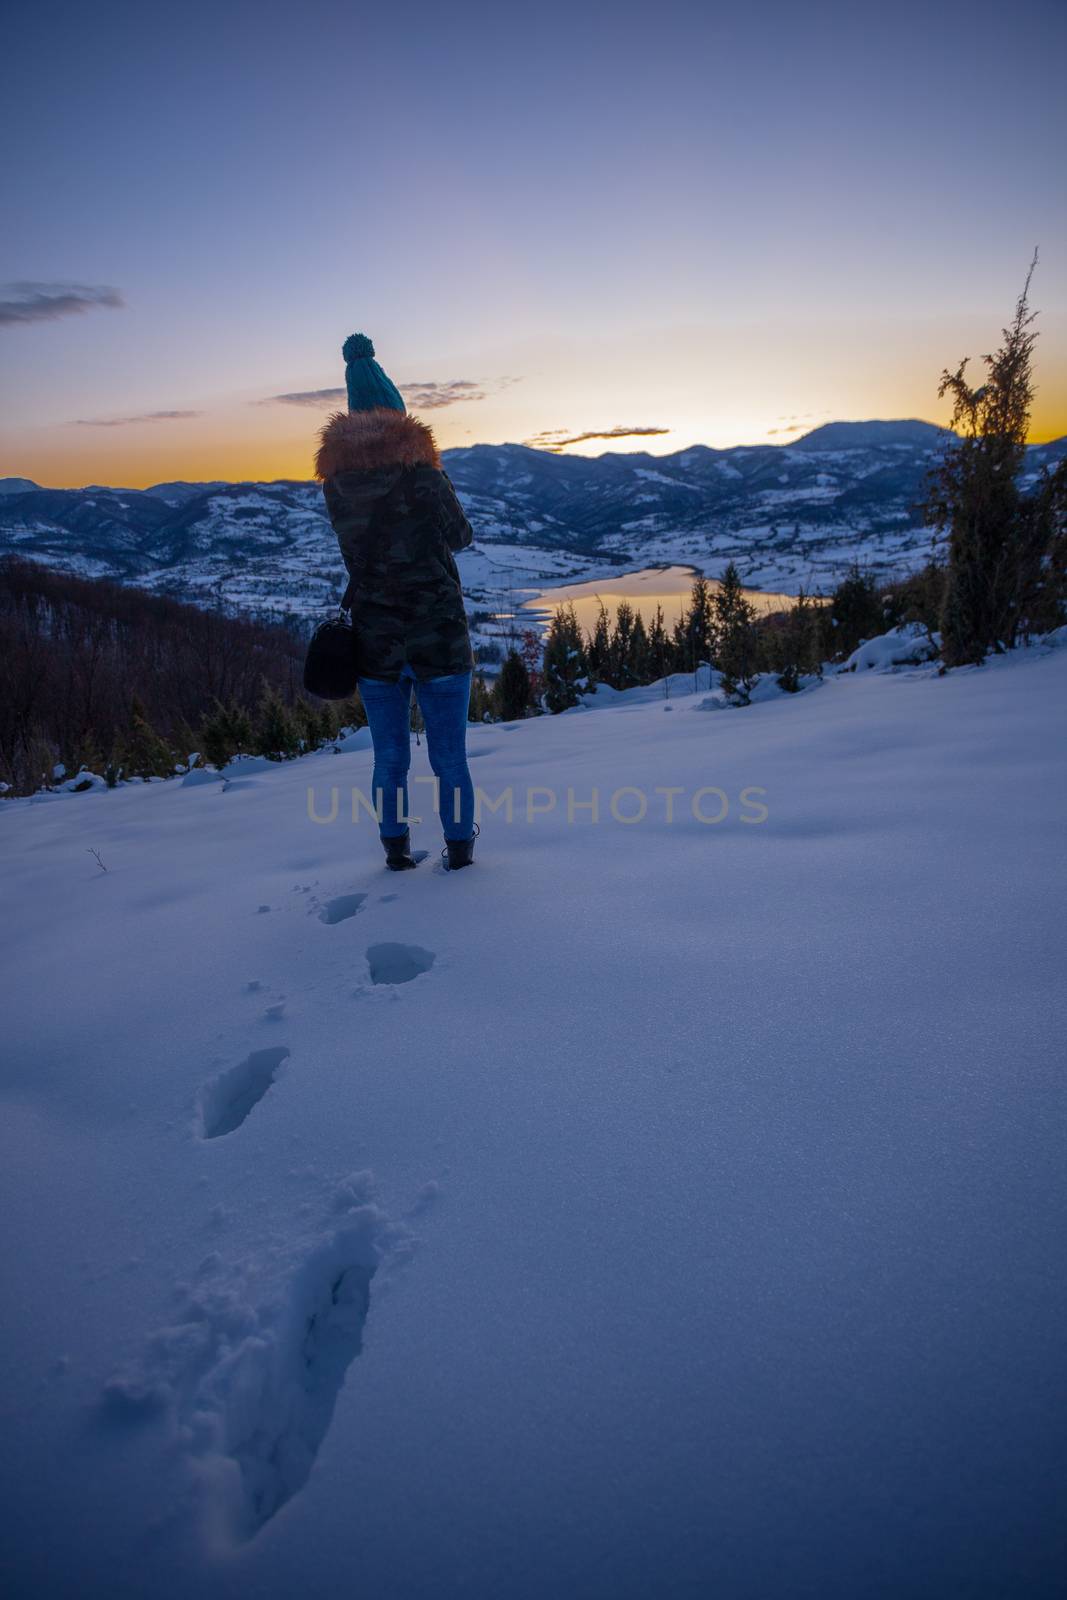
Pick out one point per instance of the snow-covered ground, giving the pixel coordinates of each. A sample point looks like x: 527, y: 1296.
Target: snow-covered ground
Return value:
x: 688, y: 1222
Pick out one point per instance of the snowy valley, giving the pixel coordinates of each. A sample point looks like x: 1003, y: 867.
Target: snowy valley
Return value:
x: 786, y: 514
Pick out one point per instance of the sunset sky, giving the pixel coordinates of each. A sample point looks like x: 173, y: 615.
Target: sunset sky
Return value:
x: 711, y: 222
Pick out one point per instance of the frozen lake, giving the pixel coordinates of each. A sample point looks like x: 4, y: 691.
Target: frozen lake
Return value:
x: 646, y: 589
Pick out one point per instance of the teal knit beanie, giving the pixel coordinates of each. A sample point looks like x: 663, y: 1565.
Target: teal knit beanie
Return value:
x: 368, y: 386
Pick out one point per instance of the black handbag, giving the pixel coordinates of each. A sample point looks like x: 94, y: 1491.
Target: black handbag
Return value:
x: 330, y: 663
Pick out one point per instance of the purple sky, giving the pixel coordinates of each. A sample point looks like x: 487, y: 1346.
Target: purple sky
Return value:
x: 726, y: 223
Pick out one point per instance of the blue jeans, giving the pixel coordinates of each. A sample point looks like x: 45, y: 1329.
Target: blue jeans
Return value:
x: 443, y: 703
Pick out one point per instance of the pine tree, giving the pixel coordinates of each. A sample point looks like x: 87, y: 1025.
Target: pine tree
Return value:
x: 226, y: 733
x: 241, y: 729
x: 512, y: 688
x: 1045, y: 578
x: 621, y: 641
x: 856, y: 612
x: 215, y: 742
x: 659, y: 648
x: 976, y: 498
x: 144, y: 753
x: 794, y: 649
x: 86, y: 757
x: 699, y: 634
x: 480, y: 708
x: 308, y: 724
x: 183, y: 739
x: 680, y: 641
x: 917, y: 598
x: 599, y: 652
x: 735, y: 638
x: 637, y: 666
x: 565, y: 668
x: 276, y: 735
x: 327, y: 723
x: 347, y: 713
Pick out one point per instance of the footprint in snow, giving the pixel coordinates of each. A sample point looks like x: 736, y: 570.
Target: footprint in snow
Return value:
x: 398, y: 963
x: 226, y: 1100
x: 275, y: 1440
x: 265, y: 1402
x: 341, y: 908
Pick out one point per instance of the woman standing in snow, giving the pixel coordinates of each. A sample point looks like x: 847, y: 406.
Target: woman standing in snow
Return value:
x: 398, y: 523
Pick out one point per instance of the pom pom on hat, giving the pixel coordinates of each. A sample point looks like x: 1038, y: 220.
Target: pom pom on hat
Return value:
x: 356, y: 346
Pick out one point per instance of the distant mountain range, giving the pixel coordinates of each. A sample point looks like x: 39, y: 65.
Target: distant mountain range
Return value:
x: 786, y: 513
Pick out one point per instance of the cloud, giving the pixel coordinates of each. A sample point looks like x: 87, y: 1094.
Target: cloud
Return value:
x: 47, y: 302
x: 555, y: 439
x: 305, y: 397
x: 125, y: 422
x: 795, y: 423
x: 429, y: 394
x: 547, y: 438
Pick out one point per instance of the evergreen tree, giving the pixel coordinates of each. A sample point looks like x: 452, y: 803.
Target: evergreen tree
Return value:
x: 215, y: 742
x: 565, y: 668
x: 481, y: 701
x: 991, y: 567
x: 856, y: 612
x: 659, y: 648
x: 599, y: 652
x: 241, y: 730
x: 275, y: 734
x: 621, y: 641
x: 1040, y: 556
x: 327, y: 723
x: 1046, y: 583
x: 183, y: 739
x: 347, y: 714
x: 679, y: 641
x: 512, y: 688
x: 917, y: 598
x: 226, y: 733
x: 637, y: 666
x: 794, y: 649
x: 308, y: 724
x: 736, y: 637
x: 144, y: 753
x: 86, y: 757
x: 698, y: 641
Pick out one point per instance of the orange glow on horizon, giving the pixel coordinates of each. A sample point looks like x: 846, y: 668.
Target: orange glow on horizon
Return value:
x: 226, y: 449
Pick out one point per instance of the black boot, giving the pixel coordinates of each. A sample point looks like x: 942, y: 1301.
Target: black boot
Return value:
x: 398, y: 856
x: 459, y: 852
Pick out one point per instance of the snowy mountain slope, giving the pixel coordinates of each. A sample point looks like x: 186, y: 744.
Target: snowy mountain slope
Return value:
x: 787, y: 514
x: 686, y: 1223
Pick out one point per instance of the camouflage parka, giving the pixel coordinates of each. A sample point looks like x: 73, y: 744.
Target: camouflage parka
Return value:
x: 398, y: 524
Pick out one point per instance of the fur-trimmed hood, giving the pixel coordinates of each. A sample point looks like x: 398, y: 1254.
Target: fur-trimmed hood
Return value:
x: 364, y: 441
